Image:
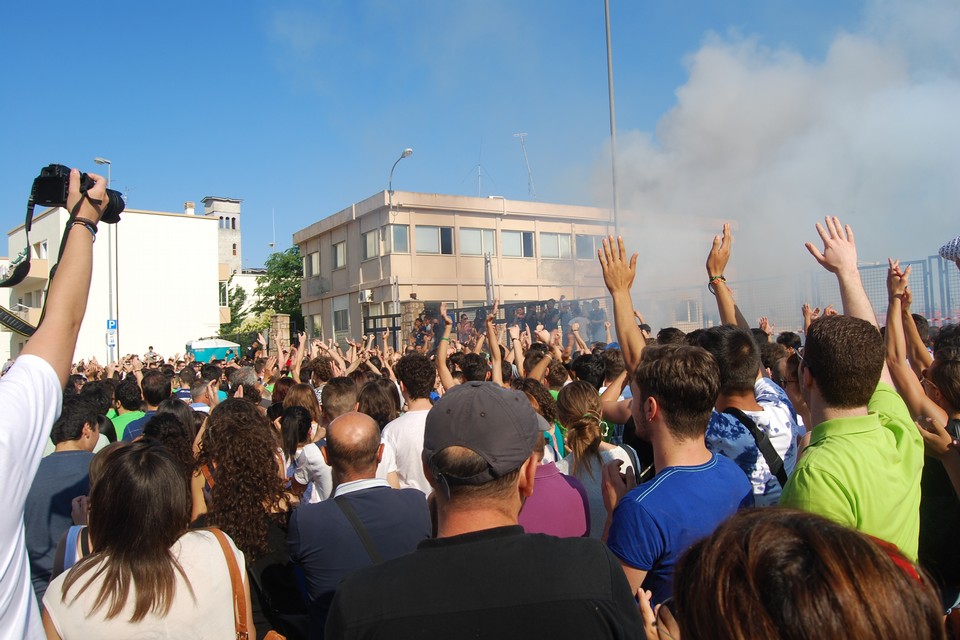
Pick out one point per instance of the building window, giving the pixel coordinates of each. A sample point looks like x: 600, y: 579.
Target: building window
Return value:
x: 234, y: 249
x: 477, y: 242
x: 339, y: 255
x: 224, y: 299
x: 397, y: 238
x: 555, y: 245
x: 587, y: 247
x: 435, y: 240
x: 517, y: 244
x: 341, y: 314
x: 315, y: 263
x: 371, y: 244
x: 233, y: 223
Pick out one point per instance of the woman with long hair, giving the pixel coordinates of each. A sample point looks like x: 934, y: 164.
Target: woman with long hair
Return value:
x: 578, y: 407
x: 248, y: 502
x: 148, y: 576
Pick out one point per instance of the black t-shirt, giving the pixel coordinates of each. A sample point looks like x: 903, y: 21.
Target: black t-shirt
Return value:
x: 939, y: 524
x: 496, y: 583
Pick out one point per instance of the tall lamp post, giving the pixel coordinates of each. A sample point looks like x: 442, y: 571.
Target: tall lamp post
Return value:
x: 406, y: 154
x: 110, y: 314
x: 613, y: 122
x: 395, y: 289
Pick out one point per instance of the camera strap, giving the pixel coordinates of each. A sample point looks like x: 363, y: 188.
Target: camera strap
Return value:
x: 21, y: 268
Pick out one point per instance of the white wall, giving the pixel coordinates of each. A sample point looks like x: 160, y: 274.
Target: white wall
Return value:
x: 166, y: 270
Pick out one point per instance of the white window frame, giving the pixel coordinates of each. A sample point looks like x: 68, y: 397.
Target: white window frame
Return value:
x: 339, y: 255
x: 371, y: 244
x: 554, y: 246
x: 512, y: 233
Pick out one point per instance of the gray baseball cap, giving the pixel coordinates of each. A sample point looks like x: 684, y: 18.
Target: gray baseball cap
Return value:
x: 497, y: 424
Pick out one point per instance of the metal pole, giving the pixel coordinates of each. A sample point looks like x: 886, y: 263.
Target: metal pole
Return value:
x: 613, y: 123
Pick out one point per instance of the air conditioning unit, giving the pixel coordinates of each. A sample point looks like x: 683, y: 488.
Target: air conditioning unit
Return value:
x: 366, y: 295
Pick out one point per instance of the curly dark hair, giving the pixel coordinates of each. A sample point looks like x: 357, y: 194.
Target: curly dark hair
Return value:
x: 417, y: 373
x: 241, y: 447
x: 548, y: 406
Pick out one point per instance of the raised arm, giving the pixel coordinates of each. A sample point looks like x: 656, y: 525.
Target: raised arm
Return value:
x: 917, y: 353
x: 446, y: 378
x: 618, y: 275
x: 839, y: 256
x: 904, y: 379
x: 496, y: 372
x: 56, y: 337
x: 717, y: 261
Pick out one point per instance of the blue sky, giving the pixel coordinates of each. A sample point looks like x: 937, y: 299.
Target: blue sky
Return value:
x: 302, y: 107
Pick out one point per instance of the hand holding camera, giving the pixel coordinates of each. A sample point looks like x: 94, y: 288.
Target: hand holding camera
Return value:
x: 91, y: 194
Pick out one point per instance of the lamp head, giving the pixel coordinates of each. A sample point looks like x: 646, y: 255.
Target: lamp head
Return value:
x: 407, y: 153
x: 101, y: 161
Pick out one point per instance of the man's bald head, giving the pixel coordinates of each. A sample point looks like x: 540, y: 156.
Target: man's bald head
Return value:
x: 353, y: 444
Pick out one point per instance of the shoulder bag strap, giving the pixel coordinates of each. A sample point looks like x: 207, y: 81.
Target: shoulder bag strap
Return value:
x: 236, y: 583
x: 774, y: 461
x: 360, y: 529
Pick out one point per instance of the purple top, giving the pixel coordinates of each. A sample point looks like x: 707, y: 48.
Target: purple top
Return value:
x: 558, y: 506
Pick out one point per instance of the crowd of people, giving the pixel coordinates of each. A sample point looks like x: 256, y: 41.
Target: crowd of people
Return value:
x: 514, y: 477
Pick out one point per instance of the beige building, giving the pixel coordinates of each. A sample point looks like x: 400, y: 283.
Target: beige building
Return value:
x: 377, y: 254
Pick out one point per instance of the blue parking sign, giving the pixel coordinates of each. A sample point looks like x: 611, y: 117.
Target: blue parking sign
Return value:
x: 111, y: 325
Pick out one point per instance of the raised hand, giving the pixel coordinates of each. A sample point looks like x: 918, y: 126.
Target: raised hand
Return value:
x: 839, y: 248
x: 618, y: 272
x: 719, y: 254
x: 897, y: 279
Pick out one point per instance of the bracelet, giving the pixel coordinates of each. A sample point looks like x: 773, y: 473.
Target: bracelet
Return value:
x: 442, y: 339
x: 712, y: 284
x: 89, y: 224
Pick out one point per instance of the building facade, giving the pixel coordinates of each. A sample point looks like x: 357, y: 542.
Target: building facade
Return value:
x: 378, y: 253
x: 155, y: 274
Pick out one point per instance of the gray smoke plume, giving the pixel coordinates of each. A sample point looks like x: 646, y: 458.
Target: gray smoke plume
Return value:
x: 774, y: 141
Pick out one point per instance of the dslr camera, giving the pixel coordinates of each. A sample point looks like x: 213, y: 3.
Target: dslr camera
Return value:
x: 50, y: 189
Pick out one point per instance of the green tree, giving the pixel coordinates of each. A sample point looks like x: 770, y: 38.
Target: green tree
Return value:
x: 279, y: 289
x: 237, y: 300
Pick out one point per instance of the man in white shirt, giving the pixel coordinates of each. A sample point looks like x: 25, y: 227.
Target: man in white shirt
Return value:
x: 31, y: 393
x: 417, y: 376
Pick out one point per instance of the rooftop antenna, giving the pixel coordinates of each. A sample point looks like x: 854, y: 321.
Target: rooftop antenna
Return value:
x: 273, y: 223
x: 531, y: 190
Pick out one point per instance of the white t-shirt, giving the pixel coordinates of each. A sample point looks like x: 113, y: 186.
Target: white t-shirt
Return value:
x: 313, y: 471
x: 208, y: 613
x: 30, y: 396
x: 405, y: 435
x: 593, y: 483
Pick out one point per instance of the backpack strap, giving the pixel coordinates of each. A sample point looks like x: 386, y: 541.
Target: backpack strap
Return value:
x: 365, y: 538
x: 769, y: 453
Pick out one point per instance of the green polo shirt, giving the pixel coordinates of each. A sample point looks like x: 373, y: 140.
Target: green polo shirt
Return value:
x: 864, y: 472
x: 121, y: 421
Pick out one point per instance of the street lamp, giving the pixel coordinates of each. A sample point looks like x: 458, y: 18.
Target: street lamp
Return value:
x: 406, y: 154
x: 110, y: 247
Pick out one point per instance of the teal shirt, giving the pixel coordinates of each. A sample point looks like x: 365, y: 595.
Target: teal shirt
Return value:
x: 864, y: 472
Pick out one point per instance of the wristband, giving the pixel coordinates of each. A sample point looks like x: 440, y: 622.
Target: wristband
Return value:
x: 712, y: 284
x: 89, y: 224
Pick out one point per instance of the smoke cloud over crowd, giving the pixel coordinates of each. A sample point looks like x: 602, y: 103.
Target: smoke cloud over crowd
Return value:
x: 773, y: 140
